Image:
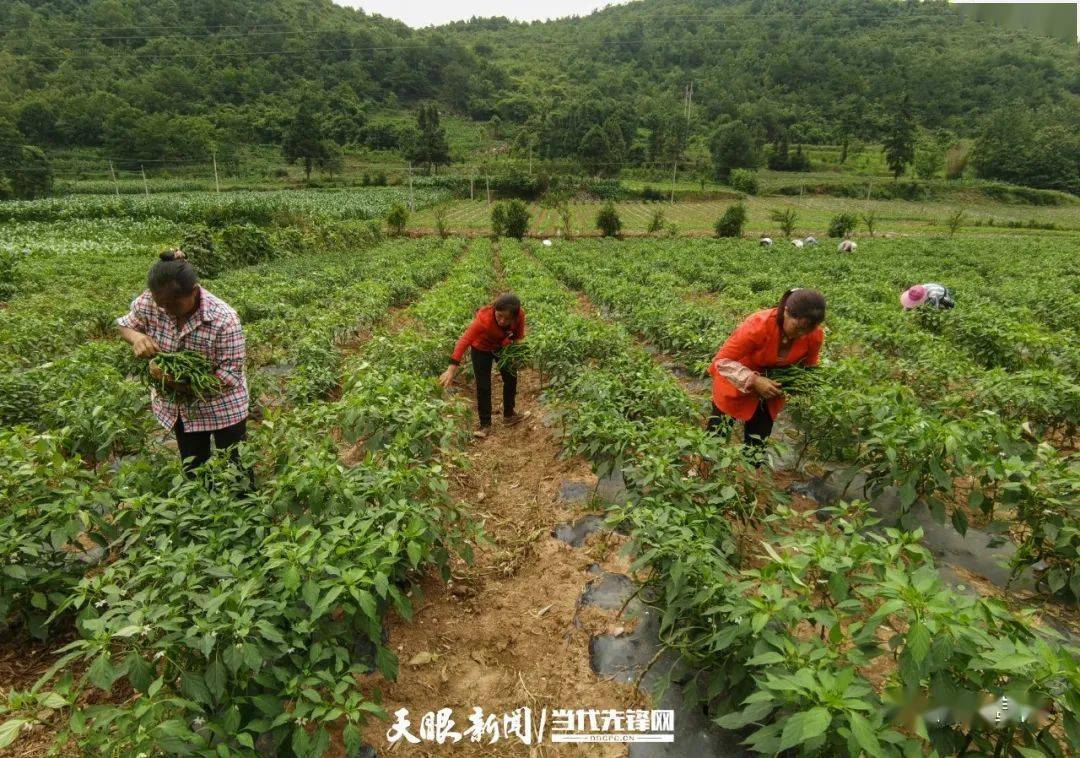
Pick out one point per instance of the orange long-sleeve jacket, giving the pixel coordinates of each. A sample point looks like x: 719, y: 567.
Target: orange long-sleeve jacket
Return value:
x: 754, y: 345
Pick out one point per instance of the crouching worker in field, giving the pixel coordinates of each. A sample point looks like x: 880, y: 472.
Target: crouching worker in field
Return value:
x: 175, y: 315
x: 786, y: 335
x: 931, y: 294
x: 495, y: 327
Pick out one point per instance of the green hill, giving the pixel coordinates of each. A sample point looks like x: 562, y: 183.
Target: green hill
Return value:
x: 606, y: 90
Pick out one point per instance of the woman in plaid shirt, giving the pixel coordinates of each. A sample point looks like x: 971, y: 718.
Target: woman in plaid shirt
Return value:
x: 175, y: 314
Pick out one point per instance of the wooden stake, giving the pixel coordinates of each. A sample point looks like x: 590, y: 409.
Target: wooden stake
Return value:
x: 217, y: 184
x: 113, y: 174
x: 146, y: 187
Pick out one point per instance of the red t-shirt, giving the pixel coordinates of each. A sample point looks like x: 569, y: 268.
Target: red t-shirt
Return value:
x: 484, y: 333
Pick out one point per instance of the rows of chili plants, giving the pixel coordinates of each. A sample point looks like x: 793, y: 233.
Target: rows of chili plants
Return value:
x: 903, y: 406
x: 84, y: 418
x: 203, y: 207
x: 833, y: 639
x: 221, y: 617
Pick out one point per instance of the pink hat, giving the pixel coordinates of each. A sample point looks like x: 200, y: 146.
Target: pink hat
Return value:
x: 913, y: 297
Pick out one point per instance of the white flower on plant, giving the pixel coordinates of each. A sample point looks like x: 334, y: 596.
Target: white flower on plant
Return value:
x: 159, y: 654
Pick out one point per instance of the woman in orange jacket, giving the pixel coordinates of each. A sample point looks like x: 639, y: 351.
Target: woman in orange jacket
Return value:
x: 495, y: 327
x: 786, y: 335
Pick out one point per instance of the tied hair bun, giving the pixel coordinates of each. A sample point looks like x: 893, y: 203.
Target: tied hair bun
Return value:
x: 173, y: 255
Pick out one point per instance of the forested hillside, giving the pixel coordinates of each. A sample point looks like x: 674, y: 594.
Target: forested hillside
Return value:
x: 162, y: 79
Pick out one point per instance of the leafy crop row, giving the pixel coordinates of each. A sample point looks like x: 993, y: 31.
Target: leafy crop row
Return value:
x: 830, y: 639
x: 901, y: 405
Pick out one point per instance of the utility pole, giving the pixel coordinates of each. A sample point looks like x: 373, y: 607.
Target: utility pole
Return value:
x: 530, y: 157
x: 412, y: 205
x: 146, y: 187
x: 487, y: 180
x: 688, y: 96
x: 112, y: 173
x: 472, y: 187
x: 217, y: 184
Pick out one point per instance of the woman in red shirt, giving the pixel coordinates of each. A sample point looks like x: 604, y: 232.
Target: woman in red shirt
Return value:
x: 495, y: 326
x: 788, y: 334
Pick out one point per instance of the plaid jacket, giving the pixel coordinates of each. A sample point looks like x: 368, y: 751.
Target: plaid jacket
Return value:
x: 214, y: 330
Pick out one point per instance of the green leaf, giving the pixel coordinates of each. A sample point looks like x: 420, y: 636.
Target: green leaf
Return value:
x: 753, y: 713
x: 140, y: 673
x: 907, y: 495
x: 270, y: 632
x: 101, y: 673
x: 155, y: 687
x: 386, y: 661
x: 804, y: 726
x: 15, y: 571
x: 351, y: 738
x: 310, y: 593
x: 414, y: 551
x: 53, y: 700
x: 960, y: 521
x: 9, y: 731
x: 193, y: 685
x: 216, y: 677
x: 765, y: 659
x: 291, y: 578
x: 368, y: 606
x: 918, y: 641
x: 233, y: 657
x: 864, y: 734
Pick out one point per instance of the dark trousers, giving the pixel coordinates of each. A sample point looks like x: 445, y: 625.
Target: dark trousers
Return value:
x: 195, y: 446
x: 755, y: 431
x: 481, y: 363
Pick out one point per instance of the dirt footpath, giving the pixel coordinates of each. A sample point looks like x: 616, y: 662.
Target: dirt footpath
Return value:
x: 507, y: 631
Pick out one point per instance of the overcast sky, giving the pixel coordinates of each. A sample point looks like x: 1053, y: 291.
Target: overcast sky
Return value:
x: 426, y: 12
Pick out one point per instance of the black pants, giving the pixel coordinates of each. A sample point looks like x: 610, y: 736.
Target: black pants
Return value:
x: 755, y: 431
x: 195, y: 446
x: 481, y: 363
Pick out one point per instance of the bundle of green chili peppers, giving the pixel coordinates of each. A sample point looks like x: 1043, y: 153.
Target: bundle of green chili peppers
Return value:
x: 189, y: 368
x: 514, y: 357
x: 795, y: 379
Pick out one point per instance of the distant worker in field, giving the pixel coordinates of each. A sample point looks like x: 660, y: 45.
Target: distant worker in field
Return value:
x: 494, y: 329
x: 789, y: 334
x: 175, y: 314
x: 932, y: 294
x: 847, y: 246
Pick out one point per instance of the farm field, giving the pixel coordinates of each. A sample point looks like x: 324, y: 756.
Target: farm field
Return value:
x: 387, y: 560
x: 891, y: 217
